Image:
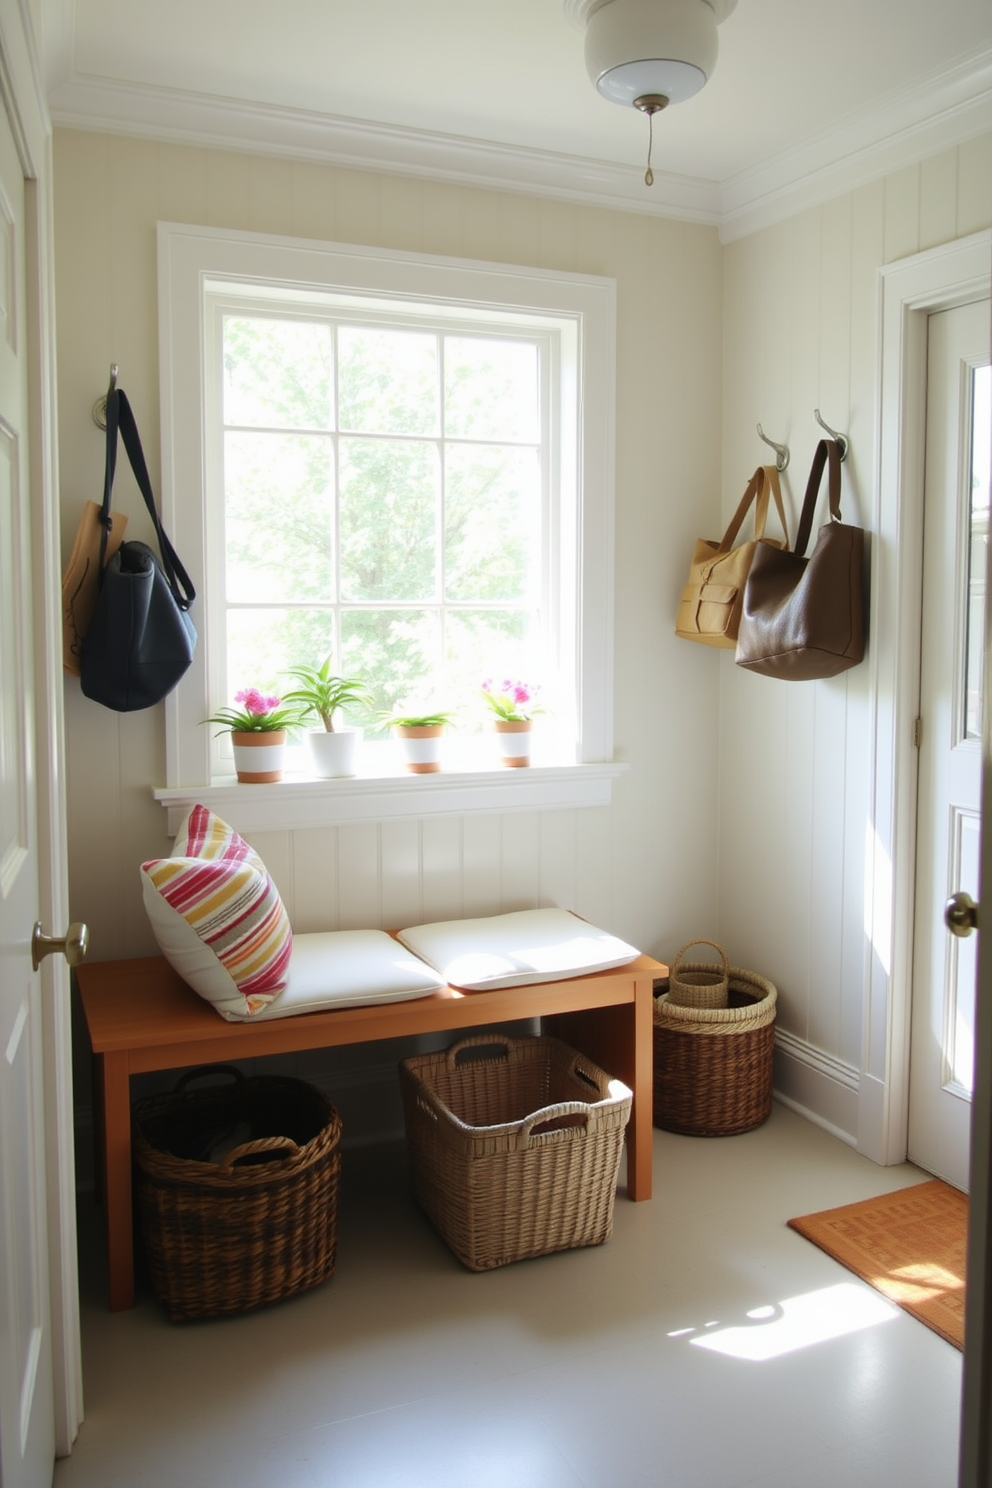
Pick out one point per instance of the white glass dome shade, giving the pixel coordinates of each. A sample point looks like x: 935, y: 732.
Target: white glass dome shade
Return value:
x: 653, y: 47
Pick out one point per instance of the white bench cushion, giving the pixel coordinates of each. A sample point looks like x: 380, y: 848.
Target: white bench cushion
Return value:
x: 345, y: 968
x: 516, y: 950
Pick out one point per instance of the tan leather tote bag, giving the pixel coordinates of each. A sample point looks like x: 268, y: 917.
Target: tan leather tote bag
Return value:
x: 711, y: 603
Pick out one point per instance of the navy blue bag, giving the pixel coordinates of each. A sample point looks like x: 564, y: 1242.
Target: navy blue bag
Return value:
x: 140, y: 639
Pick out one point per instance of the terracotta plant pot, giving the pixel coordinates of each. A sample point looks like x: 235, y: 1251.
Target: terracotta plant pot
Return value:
x: 258, y: 755
x: 514, y: 741
x: 421, y: 746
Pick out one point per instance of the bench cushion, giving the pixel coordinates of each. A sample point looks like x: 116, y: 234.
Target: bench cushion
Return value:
x: 218, y: 917
x: 516, y: 950
x: 346, y: 968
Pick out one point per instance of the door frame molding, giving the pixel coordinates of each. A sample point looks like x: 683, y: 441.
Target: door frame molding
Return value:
x: 23, y: 94
x: 910, y: 290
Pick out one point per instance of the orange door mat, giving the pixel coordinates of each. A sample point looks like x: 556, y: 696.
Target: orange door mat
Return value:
x: 909, y: 1244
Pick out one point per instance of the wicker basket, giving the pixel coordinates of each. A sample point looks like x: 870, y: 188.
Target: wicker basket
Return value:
x: 713, y: 1066
x: 699, y: 984
x: 259, y: 1221
x: 514, y: 1146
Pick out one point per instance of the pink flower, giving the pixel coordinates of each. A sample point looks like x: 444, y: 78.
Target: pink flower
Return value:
x: 255, y: 702
x: 510, y: 700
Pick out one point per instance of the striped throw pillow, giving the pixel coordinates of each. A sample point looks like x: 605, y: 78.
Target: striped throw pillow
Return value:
x: 218, y: 917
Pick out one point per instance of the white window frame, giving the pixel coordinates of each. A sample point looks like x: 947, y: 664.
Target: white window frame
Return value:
x: 197, y: 267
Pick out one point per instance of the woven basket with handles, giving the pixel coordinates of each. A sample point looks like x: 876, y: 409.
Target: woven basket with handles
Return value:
x: 515, y: 1145
x: 254, y: 1219
x: 699, y: 984
x: 713, y: 1066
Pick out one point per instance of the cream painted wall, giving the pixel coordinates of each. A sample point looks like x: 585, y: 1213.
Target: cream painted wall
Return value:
x: 643, y: 867
x: 744, y: 813
x: 801, y: 332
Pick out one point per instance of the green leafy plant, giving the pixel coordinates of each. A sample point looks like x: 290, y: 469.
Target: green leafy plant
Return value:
x: 416, y: 720
x: 323, y: 693
x: 259, y: 713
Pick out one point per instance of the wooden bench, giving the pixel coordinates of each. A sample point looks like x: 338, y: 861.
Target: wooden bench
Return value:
x: 141, y: 1016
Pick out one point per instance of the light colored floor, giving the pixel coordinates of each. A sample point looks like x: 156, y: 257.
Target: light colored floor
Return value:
x: 579, y: 1370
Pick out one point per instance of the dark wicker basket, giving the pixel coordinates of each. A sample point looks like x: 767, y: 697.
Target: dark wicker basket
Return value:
x: 514, y: 1146
x: 713, y: 1066
x: 237, y: 1188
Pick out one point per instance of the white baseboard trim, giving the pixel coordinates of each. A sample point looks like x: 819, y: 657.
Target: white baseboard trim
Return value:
x: 815, y: 1118
x: 817, y: 1085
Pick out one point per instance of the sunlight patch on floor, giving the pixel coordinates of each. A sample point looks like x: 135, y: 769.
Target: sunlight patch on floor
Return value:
x: 796, y: 1323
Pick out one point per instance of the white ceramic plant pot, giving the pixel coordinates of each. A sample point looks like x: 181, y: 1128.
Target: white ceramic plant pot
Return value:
x: 421, y: 746
x: 259, y: 756
x: 333, y: 754
x: 514, y: 741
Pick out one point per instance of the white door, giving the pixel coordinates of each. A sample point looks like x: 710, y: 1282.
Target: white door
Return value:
x: 956, y: 520
x: 27, y: 1442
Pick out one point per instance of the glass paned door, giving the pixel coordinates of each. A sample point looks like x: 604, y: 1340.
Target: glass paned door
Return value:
x: 956, y: 510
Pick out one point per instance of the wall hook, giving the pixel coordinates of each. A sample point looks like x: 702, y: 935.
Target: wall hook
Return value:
x: 841, y: 439
x: 100, y: 406
x: 781, y: 450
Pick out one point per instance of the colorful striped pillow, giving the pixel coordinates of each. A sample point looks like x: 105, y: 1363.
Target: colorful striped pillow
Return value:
x: 218, y: 917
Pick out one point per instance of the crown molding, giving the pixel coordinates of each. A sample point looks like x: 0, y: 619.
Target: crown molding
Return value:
x: 268, y: 129
x: 907, y: 127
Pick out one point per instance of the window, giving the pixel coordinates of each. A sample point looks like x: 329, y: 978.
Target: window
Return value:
x: 385, y: 494
x: 401, y: 461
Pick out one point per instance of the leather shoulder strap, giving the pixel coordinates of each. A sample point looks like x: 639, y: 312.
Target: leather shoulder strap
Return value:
x: 109, y: 471
x: 826, y: 450
x: 177, y: 577
x: 770, y: 483
x: 755, y: 487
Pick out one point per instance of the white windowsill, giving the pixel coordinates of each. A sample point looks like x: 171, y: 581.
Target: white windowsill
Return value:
x: 298, y: 801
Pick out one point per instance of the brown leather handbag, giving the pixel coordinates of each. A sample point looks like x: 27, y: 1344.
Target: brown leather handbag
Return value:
x: 711, y: 602
x: 803, y: 617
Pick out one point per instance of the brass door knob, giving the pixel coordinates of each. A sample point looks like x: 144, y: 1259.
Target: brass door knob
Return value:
x: 961, y: 914
x: 73, y: 945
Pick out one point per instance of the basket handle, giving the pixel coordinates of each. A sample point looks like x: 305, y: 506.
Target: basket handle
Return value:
x: 260, y: 1144
x: 584, y: 1070
x: 480, y: 1041
x: 208, y: 1069
x: 688, y: 946
x: 548, y: 1114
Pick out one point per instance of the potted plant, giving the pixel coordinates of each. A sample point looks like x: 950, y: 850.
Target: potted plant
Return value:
x: 420, y: 738
x: 258, y: 730
x: 512, y: 705
x: 332, y: 749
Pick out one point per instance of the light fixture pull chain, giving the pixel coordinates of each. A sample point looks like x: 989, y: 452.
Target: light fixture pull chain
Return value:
x: 650, y: 104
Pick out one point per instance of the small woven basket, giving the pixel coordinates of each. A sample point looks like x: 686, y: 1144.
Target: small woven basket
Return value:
x: 699, y: 984
x: 514, y: 1146
x: 259, y: 1224
x: 713, y: 1066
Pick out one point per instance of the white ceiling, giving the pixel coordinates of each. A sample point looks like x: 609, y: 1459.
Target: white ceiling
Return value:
x: 809, y: 96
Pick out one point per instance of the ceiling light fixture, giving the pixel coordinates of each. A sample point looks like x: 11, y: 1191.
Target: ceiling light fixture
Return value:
x: 646, y: 54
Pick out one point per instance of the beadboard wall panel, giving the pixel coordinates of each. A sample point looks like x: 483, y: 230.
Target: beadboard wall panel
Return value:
x: 795, y: 759
x: 643, y: 867
x: 974, y: 174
